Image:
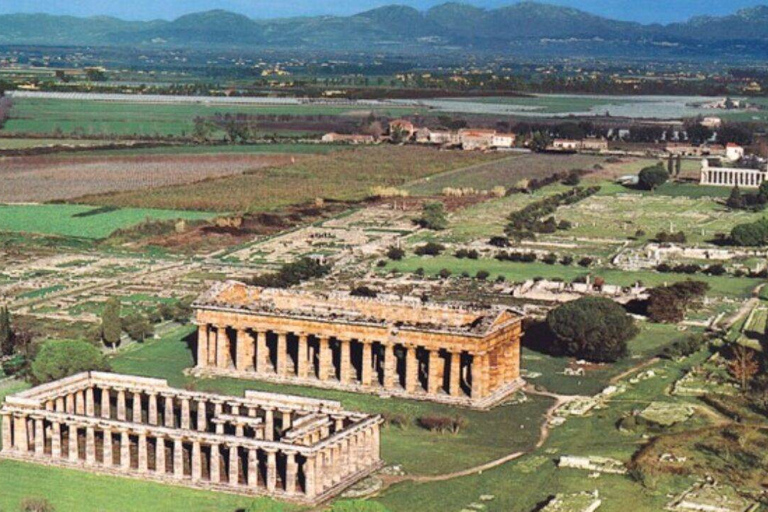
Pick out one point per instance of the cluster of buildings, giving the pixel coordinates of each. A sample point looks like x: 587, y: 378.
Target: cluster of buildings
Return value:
x: 469, y: 139
x: 728, y: 170
x: 587, y: 145
x: 264, y: 444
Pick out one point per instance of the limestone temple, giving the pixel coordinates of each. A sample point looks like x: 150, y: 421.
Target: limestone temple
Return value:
x: 731, y: 177
x: 458, y: 354
x: 291, y: 448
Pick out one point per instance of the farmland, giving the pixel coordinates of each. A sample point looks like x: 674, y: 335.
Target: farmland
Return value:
x: 342, y: 176
x: 38, y: 179
x: 80, y: 221
x: 89, y: 118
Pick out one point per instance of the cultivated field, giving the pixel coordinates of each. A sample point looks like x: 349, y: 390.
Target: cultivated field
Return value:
x: 345, y: 175
x: 47, y: 116
x: 506, y: 172
x: 80, y: 221
x: 38, y: 179
x: 11, y: 144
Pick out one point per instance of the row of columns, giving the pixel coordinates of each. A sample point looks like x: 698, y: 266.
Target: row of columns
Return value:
x: 418, y: 370
x: 733, y: 177
x: 313, y: 474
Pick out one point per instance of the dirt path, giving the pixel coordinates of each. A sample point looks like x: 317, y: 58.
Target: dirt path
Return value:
x: 560, y: 400
x: 636, y: 368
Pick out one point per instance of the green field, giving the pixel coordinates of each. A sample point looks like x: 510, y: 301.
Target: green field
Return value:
x: 46, y: 116
x: 81, y: 221
x: 10, y: 144
x: 549, y: 104
x: 245, y: 149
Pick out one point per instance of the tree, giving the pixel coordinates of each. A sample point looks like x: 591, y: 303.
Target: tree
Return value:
x: 678, y: 165
x: 364, y: 291
x: 540, y: 141
x: 138, y: 327
x: 751, y: 234
x: 395, y: 253
x: 433, y: 217
x: 736, y: 200
x: 291, y: 274
x: 653, y: 177
x: 743, y: 366
x: 111, y: 327
x: 668, y: 304
x: 430, y: 249
x: 58, y: 359
x: 593, y: 328
x: 6, y: 333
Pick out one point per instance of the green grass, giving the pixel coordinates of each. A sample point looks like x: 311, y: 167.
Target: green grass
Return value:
x: 47, y: 116
x: 554, y: 104
x: 298, y: 149
x: 725, y: 286
x: 9, y: 144
x: 488, y: 435
x: 69, y: 221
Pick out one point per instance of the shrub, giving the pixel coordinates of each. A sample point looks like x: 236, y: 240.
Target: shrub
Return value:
x: 443, y: 424
x: 396, y: 419
x: 585, y: 262
x: 473, y: 254
x: 36, y: 505
x: 482, y: 275
x: 395, y: 253
x: 433, y: 217
x: 683, y: 348
x: 364, y: 291
x: 444, y: 273
x: 591, y: 328
x: 430, y: 249
x: 58, y: 359
x: 419, y: 271
x: 550, y: 259
x: 499, y: 241
x: 665, y: 238
x: 461, y: 254
x: 751, y: 234
x: 564, y: 225
x: 668, y: 304
x: 653, y: 177
x: 291, y: 274
x: 500, y: 279
x: 566, y: 260
x: 138, y: 327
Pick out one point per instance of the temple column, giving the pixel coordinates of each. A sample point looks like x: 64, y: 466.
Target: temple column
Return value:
x: 185, y: 414
x: 137, y: 413
x: 121, y: 404
x: 269, y: 424
x: 20, y: 435
x: 39, y: 437
x: 411, y: 370
x: 291, y: 469
x: 326, y: 362
x: 170, y: 421
x: 178, y: 458
x: 390, y: 366
x: 271, y: 470
x: 215, y: 469
x: 55, y: 440
x: 106, y: 404
x: 287, y: 417
x: 455, y: 377
x: 107, y: 458
x: 152, y: 406
x: 90, y: 403
x: 73, y: 454
x: 125, y: 450
x: 303, y: 357
x: 202, y: 415
x: 80, y: 403
x: 143, y: 457
x: 310, y: 475
x: 242, y: 362
x: 253, y: 468
x: 160, y: 455
x: 69, y: 401
x: 60, y: 405
x: 375, y: 444
x: 7, y: 431
x: 367, y: 364
x: 479, y: 375
x: 433, y: 380
x: 234, y: 465
x: 222, y: 348
x: 345, y: 365
x: 90, y: 446
x: 202, y: 346
x: 282, y: 354
x: 262, y: 352
x: 197, y: 466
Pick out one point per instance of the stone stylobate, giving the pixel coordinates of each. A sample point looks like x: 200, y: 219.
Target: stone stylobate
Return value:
x: 455, y: 354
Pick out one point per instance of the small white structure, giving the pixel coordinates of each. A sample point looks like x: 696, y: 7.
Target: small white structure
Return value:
x: 734, y: 152
x: 731, y: 177
x: 503, y: 140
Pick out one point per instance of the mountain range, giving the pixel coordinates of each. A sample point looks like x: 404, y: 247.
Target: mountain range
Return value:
x: 451, y: 25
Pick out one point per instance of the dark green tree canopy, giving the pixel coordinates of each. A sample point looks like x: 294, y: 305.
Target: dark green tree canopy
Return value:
x: 653, y: 177
x: 592, y: 328
x: 58, y: 359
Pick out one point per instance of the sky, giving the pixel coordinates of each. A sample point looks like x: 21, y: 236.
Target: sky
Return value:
x: 644, y: 11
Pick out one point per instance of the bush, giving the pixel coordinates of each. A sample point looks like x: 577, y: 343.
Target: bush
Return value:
x: 668, y: 304
x: 499, y: 241
x: 419, y: 272
x: 443, y: 424
x: 585, y: 262
x: 396, y: 419
x: 683, y: 348
x: 36, y: 505
x: 591, y: 328
x: 564, y: 225
x: 676, y: 238
x: 444, y: 273
x: 364, y: 291
x: 550, y: 259
x: 653, y: 177
x: 566, y: 260
x: 433, y: 217
x: 430, y: 249
x: 461, y: 254
x: 58, y: 359
x: 473, y: 254
x: 291, y: 274
x: 395, y: 253
x: 482, y: 275
x: 750, y: 235
x: 138, y: 327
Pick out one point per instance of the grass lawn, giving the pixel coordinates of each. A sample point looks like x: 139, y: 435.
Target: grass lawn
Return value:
x: 297, y: 149
x: 80, y: 221
x: 488, y: 435
x: 9, y: 144
x: 517, y: 272
x: 46, y: 116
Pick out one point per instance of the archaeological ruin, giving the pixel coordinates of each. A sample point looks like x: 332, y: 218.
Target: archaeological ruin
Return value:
x: 456, y: 354
x: 295, y: 449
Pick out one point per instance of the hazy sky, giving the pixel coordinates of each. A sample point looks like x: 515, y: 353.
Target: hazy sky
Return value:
x: 645, y: 11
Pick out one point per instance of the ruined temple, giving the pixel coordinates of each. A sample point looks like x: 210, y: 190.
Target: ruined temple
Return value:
x: 262, y: 444
x: 394, y: 346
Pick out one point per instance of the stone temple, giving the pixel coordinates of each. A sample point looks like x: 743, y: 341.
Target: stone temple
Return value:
x: 290, y: 448
x: 456, y: 354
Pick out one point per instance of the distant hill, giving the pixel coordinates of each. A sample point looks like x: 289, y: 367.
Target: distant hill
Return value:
x: 521, y: 25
